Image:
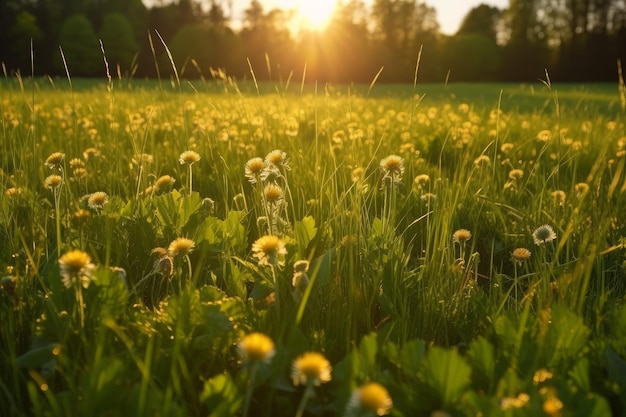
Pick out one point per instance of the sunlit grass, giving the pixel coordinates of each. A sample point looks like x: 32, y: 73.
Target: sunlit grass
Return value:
x: 461, y: 251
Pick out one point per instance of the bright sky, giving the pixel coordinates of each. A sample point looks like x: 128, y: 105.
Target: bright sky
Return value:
x: 450, y: 13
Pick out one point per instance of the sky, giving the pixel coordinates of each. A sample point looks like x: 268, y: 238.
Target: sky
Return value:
x: 450, y: 13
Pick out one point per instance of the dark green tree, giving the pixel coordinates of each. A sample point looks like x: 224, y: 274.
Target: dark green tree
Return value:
x: 21, y: 34
x: 118, y: 40
x: 482, y: 20
x: 80, y: 47
x: 472, y: 57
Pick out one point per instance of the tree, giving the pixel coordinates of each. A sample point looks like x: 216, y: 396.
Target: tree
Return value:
x: 472, y: 57
x: 482, y: 20
x: 20, y: 36
x: 80, y: 47
x: 119, y: 43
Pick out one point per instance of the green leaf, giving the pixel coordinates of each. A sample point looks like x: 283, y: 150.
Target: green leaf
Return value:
x: 305, y: 232
x: 221, y: 396
x: 447, y: 373
x: 565, y: 336
x: 580, y: 375
x: 482, y: 358
x: 37, y: 357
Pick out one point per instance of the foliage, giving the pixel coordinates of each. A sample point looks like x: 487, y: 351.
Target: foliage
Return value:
x: 79, y: 45
x: 118, y: 41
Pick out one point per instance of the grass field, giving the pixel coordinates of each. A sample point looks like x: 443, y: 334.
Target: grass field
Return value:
x: 221, y: 248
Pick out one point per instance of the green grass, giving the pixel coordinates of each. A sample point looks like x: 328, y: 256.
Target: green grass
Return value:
x: 370, y: 185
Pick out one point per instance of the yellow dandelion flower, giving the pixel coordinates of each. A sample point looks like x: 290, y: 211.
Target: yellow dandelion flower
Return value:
x: 506, y: 147
x: 269, y: 250
x: 358, y: 174
x: 393, y: 166
x: 544, y: 135
x: 76, y: 268
x: 256, y: 347
x: 189, y: 157
x: 371, y: 399
x: 277, y: 158
x: 521, y: 400
x: 13, y: 192
x: 461, y: 236
x: 421, y: 180
x: 181, y: 246
x: 482, y: 160
x: 55, y: 160
x: 542, y: 375
x: 76, y: 163
x: 273, y: 194
x: 164, y: 183
x: 516, y: 174
x: 311, y: 367
x: 97, y: 200
x: 558, y: 196
x: 520, y: 255
x: 53, y: 182
x: 79, y: 173
x: 253, y: 169
x: 581, y: 189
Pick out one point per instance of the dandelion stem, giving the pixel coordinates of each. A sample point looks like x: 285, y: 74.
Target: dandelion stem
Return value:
x: 305, y: 398
x: 250, y: 390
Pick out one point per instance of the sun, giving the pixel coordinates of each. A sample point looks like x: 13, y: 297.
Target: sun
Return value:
x: 315, y: 14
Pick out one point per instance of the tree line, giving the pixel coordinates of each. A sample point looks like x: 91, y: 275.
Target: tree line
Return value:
x: 574, y: 40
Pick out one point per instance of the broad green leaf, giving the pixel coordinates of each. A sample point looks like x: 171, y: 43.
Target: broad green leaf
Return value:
x: 482, y: 358
x: 221, y: 396
x: 305, y: 232
x: 579, y: 373
x: 411, y: 356
x: 447, y: 373
x: 566, y: 335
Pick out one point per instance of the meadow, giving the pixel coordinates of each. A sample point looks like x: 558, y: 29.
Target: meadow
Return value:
x: 214, y: 248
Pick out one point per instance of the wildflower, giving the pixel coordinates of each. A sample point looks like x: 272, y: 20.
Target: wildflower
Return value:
x: 520, y: 255
x: 300, y: 279
x: 76, y: 163
x: 97, y: 200
x: 552, y: 406
x: 55, y: 160
x: 188, y: 157
x: 89, y: 152
x: 273, y: 194
x: 506, y: 147
x: 558, y: 196
x: 516, y: 174
x: 256, y: 347
x: 180, y: 246
x: 581, y: 189
x: 278, y: 159
x: 358, y: 174
x: 393, y: 166
x: 514, y: 402
x: 79, y: 173
x: 421, y: 180
x: 544, y: 136
x: 76, y: 268
x: 13, y: 192
x: 52, y: 182
x: 428, y: 197
x: 254, y: 168
x: 311, y: 367
x: 143, y: 159
x: 121, y: 273
x: 269, y: 250
x: 163, y: 263
x: 482, y: 160
x: 544, y: 234
x: 461, y: 236
x: 542, y: 375
x: 164, y: 183
x: 82, y: 214
x: 371, y: 399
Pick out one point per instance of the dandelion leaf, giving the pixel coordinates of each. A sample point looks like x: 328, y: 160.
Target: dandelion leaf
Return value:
x: 221, y: 396
x: 447, y: 374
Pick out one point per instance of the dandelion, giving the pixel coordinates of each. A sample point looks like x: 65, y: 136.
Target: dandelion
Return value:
x: 482, y: 160
x: 311, y: 368
x: 76, y: 268
x: 300, y: 279
x: 506, y: 147
x: 76, y: 163
x: 269, y: 250
x: 13, y: 192
x: 543, y: 234
x: 78, y: 173
x: 521, y: 255
x: 273, y: 194
x: 542, y: 375
x: 393, y: 167
x: 371, y: 399
x: 278, y: 159
x: 97, y: 200
x: 357, y: 175
x: 53, y: 182
x: 558, y: 196
x: 521, y: 400
x: 516, y: 174
x: 55, y: 161
x: 428, y: 198
x: 461, y: 236
x: 256, y: 347
x: 188, y: 157
x: 164, y: 183
x: 581, y: 189
x: 544, y: 136
x: 421, y: 180
x: 180, y: 246
x: 552, y: 406
x: 253, y: 169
